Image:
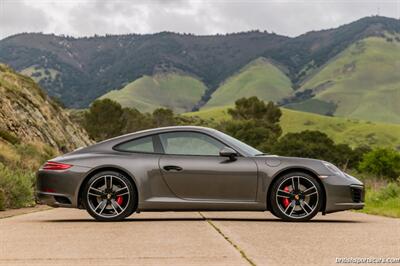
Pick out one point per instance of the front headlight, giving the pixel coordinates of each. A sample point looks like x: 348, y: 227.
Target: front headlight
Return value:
x: 333, y: 169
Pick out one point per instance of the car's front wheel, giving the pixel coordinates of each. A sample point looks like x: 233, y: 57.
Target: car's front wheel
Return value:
x: 109, y: 196
x: 296, y: 197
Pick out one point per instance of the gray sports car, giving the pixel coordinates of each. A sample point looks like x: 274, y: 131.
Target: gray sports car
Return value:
x: 192, y: 169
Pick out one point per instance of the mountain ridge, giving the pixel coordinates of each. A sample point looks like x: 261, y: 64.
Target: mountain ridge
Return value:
x: 90, y: 67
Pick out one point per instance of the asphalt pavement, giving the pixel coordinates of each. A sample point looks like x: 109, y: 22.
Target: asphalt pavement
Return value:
x: 72, y: 237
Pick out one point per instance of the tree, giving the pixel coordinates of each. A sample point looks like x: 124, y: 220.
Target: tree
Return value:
x: 383, y: 162
x: 311, y: 144
x: 259, y: 135
x: 343, y: 156
x: 357, y: 155
x: 135, y: 120
x: 163, y: 117
x: 254, y: 122
x: 254, y: 108
x: 104, y: 119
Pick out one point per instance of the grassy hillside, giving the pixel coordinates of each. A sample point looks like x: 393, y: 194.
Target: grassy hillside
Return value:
x: 362, y: 82
x: 175, y: 91
x: 89, y: 67
x: 341, y: 130
x: 259, y: 78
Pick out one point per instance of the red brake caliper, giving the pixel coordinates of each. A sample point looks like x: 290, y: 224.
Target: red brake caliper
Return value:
x: 285, y: 201
x: 120, y: 200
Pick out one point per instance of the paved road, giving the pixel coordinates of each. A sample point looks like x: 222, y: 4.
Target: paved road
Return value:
x: 71, y: 237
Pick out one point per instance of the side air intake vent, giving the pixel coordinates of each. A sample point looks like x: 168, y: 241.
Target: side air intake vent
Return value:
x: 357, y: 194
x: 62, y: 200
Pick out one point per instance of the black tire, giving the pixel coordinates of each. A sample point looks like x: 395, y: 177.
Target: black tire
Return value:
x: 273, y: 212
x: 303, y: 202
x: 114, y: 196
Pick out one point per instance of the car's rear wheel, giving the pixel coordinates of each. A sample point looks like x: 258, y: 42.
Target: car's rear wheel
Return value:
x: 109, y: 196
x: 296, y: 197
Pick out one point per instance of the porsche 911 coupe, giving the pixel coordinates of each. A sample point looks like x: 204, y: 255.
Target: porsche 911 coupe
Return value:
x: 187, y: 168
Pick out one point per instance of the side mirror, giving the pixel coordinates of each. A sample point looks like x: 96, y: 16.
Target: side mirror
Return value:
x: 228, y: 152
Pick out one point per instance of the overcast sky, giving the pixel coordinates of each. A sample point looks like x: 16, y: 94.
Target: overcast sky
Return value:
x: 83, y: 18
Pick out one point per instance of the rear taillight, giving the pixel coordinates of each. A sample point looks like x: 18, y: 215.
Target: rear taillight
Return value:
x: 56, y: 166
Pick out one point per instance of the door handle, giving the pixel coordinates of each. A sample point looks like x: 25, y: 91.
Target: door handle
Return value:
x: 172, y: 168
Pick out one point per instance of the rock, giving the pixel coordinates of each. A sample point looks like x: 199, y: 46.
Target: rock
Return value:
x: 29, y: 114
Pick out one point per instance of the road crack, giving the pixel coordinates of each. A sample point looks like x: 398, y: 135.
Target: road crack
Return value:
x: 235, y: 246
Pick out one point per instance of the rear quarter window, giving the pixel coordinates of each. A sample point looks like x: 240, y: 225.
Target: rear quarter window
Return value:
x: 137, y: 145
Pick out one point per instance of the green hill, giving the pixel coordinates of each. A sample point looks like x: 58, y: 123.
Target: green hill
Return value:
x: 259, y: 78
x: 89, y: 67
x: 342, y: 130
x: 362, y: 82
x: 172, y: 90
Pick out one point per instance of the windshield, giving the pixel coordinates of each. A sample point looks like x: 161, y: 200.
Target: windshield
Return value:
x: 241, y: 145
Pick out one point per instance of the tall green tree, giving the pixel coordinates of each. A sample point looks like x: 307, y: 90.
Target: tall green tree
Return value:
x: 104, y: 119
x: 310, y: 144
x: 316, y: 144
x: 163, y: 117
x: 254, y: 122
x: 255, y: 109
x: 135, y: 120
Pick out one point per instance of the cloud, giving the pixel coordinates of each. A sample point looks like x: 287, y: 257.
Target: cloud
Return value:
x: 82, y: 18
x: 16, y: 17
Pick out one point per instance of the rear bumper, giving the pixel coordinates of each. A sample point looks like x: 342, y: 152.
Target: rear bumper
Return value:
x: 60, y: 188
x: 53, y: 199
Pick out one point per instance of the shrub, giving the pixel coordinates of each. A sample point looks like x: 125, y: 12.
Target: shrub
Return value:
x: 383, y: 162
x: 8, y: 154
x: 6, y: 135
x: 34, y: 154
x: 16, y: 188
x: 383, y: 200
x: 391, y: 190
x: 2, y: 200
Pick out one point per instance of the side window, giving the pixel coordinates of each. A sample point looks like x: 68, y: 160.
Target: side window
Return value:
x: 190, y: 143
x: 137, y: 145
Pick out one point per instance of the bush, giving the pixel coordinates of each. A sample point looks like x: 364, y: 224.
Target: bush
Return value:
x: 384, y: 200
x: 2, y: 200
x: 16, y: 188
x: 391, y: 190
x: 33, y: 154
x: 6, y: 135
x: 383, y: 162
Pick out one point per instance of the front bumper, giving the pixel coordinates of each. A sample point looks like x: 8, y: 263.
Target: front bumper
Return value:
x: 343, y: 193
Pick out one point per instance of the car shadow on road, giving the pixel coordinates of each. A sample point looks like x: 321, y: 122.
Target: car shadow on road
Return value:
x: 269, y: 220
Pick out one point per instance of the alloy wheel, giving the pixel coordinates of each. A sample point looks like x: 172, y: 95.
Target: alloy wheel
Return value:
x: 297, y: 197
x: 108, y: 196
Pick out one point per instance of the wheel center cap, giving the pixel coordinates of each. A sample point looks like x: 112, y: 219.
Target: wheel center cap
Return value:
x: 296, y: 197
x: 108, y: 196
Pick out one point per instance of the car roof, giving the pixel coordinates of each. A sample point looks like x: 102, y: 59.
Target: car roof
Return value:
x: 109, y: 143
x: 152, y: 131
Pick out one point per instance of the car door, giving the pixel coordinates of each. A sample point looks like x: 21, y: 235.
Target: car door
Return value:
x: 193, y: 169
